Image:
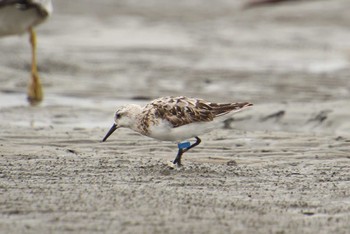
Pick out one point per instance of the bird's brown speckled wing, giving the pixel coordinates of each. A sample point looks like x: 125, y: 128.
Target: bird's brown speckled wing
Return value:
x: 179, y: 111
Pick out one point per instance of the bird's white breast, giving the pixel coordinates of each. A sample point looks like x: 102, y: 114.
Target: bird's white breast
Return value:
x: 165, y: 132
x: 16, y: 21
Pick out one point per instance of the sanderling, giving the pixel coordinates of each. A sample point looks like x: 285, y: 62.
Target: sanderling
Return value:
x: 175, y: 119
x: 17, y: 17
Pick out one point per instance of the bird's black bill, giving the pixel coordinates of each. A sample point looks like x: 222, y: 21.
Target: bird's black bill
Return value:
x: 113, y: 128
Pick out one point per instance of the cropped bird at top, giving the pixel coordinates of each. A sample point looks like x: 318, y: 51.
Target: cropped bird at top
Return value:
x: 175, y: 119
x: 18, y: 17
x: 257, y: 3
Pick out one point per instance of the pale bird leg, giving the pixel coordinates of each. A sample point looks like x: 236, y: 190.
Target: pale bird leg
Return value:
x: 35, y: 93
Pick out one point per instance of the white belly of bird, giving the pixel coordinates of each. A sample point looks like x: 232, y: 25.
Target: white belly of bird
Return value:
x: 16, y: 21
x: 165, y: 132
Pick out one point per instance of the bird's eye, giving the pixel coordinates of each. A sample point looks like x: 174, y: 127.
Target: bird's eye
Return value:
x: 117, y: 116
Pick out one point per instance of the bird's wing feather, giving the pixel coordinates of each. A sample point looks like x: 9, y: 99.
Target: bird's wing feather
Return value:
x: 220, y: 109
x: 179, y: 111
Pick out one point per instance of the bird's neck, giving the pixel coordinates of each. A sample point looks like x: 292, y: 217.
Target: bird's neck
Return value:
x: 135, y: 117
x: 140, y: 124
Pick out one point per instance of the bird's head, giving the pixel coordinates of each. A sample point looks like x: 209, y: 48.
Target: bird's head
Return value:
x: 124, y: 116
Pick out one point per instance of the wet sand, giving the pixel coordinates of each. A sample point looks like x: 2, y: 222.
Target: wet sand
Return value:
x: 281, y: 167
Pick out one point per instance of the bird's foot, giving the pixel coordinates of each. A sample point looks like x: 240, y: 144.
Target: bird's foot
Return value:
x: 173, y: 165
x: 35, y: 93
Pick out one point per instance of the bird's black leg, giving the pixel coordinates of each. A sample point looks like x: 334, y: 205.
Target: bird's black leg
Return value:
x: 178, y: 157
x: 181, y: 151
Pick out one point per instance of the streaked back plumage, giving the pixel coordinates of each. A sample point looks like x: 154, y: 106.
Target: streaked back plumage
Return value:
x: 180, y: 111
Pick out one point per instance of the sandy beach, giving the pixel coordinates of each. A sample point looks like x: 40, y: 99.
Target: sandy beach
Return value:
x: 281, y: 167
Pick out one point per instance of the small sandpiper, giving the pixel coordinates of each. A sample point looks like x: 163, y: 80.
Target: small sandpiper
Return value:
x: 175, y: 119
x: 17, y: 17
